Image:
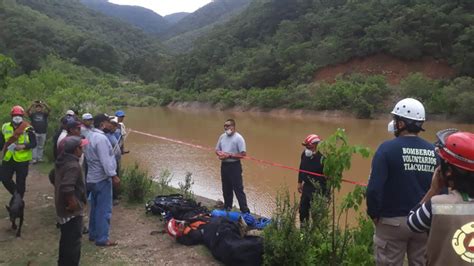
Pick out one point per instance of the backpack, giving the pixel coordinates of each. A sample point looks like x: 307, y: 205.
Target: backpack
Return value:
x: 174, y: 206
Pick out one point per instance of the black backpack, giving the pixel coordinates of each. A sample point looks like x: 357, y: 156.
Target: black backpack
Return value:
x: 174, y: 206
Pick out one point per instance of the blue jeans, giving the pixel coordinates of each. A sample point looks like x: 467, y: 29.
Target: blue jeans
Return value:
x: 101, y: 210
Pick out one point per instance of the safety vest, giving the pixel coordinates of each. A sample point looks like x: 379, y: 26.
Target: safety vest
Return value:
x: 18, y: 156
x: 451, y: 239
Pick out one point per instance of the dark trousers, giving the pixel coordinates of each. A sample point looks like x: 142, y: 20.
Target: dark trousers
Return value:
x: 70, y: 242
x: 231, y: 175
x: 307, y: 197
x: 8, y: 169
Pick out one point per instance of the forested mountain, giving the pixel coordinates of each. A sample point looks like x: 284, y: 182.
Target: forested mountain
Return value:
x: 175, y: 17
x: 32, y: 29
x: 140, y: 17
x: 283, y: 42
x: 201, y: 22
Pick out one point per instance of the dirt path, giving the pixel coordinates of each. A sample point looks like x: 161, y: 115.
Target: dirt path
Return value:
x: 130, y: 227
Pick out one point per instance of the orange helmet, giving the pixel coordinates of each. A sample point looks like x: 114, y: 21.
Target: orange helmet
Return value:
x: 311, y: 139
x: 17, y: 110
x: 457, y: 148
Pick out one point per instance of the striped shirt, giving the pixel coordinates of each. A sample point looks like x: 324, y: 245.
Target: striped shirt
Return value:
x: 419, y: 219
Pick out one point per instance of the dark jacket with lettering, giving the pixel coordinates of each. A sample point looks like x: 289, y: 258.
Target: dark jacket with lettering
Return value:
x: 401, y: 174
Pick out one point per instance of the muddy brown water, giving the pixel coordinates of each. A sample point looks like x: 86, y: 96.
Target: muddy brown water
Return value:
x: 270, y: 137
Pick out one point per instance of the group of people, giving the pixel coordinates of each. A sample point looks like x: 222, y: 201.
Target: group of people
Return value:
x: 420, y: 195
x: 417, y: 187
x: 414, y: 186
x: 87, y: 155
x: 92, y: 145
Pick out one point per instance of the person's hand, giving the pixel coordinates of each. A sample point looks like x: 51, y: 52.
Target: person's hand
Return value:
x: 375, y: 220
x: 222, y: 155
x: 20, y: 147
x: 116, y: 181
x: 300, y: 188
x: 438, y: 183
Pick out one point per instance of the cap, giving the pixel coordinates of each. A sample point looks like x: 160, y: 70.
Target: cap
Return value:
x: 87, y: 116
x: 73, y: 124
x: 99, y: 118
x: 72, y: 142
x: 114, y: 120
x: 120, y: 113
x: 67, y: 119
x: 70, y: 112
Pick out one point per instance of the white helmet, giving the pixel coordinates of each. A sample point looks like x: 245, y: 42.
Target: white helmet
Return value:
x: 410, y: 108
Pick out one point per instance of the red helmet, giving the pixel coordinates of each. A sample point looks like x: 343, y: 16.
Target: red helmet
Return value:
x: 17, y: 110
x: 174, y: 229
x: 311, y: 139
x: 457, y: 148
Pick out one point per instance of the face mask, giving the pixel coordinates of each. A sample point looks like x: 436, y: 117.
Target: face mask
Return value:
x: 308, y: 152
x: 391, y: 127
x: 228, y: 132
x: 17, y: 119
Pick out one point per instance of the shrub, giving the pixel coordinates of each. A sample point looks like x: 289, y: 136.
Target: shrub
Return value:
x: 136, y: 185
x: 326, y: 238
x: 185, y: 188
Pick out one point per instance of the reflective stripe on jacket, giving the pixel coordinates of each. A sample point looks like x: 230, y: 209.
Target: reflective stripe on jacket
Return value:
x: 18, y: 156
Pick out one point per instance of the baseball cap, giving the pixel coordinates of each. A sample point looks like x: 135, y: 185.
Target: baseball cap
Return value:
x: 70, y: 112
x: 72, y: 142
x: 87, y: 116
x: 120, y: 113
x: 73, y: 124
x: 114, y: 119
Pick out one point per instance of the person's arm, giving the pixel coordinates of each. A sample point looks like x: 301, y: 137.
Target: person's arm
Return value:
x: 32, y: 138
x: 28, y: 111
x: 378, y: 177
x: 2, y: 139
x: 68, y: 187
x: 46, y: 107
x: 301, y: 176
x: 241, y: 148
x: 106, y: 156
x: 419, y: 219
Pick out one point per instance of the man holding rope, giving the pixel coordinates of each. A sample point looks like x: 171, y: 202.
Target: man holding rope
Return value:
x: 230, y: 149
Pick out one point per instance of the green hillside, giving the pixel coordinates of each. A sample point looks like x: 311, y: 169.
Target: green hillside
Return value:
x: 140, y: 17
x: 32, y: 29
x: 283, y: 42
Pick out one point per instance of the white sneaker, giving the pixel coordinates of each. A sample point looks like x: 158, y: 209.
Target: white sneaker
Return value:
x: 33, y: 161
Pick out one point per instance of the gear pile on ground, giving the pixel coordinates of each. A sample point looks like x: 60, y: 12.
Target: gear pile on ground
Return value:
x: 227, y: 235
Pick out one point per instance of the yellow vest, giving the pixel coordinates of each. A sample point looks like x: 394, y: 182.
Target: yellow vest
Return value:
x: 18, y: 156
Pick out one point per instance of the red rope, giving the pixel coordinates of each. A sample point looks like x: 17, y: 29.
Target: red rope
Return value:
x: 245, y: 157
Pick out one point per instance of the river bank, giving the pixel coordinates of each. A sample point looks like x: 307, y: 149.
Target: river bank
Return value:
x: 286, y: 112
x: 139, y: 240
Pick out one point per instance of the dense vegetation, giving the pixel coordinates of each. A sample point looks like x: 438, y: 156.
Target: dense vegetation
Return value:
x: 30, y: 30
x: 182, y: 36
x: 283, y: 42
x: 264, y: 57
x: 140, y: 17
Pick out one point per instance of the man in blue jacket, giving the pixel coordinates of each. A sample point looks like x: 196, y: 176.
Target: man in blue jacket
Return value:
x: 401, y: 175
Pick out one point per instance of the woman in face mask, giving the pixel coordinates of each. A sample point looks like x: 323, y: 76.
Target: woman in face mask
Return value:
x: 311, y: 160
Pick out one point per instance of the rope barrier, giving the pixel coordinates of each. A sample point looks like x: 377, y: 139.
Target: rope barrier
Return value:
x: 243, y: 157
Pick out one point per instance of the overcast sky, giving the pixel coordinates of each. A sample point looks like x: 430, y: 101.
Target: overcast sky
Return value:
x: 165, y: 7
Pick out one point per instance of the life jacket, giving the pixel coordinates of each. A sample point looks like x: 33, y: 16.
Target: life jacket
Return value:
x: 451, y: 239
x: 16, y: 136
